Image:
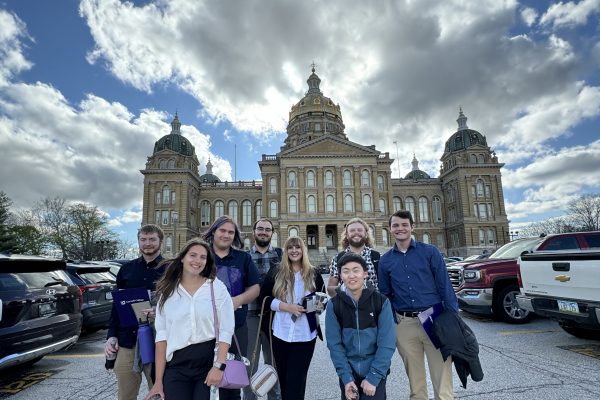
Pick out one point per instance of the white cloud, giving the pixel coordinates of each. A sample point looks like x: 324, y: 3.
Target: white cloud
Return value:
x: 529, y: 16
x: 12, y: 61
x: 570, y: 14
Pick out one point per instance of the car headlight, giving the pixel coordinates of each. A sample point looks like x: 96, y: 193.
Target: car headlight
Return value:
x: 471, y: 276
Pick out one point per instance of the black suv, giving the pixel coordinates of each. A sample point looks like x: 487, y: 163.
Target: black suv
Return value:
x: 39, y: 309
x: 96, y: 284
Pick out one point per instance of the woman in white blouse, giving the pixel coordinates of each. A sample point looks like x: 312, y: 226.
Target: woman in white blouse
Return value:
x: 294, y: 330
x: 185, y: 334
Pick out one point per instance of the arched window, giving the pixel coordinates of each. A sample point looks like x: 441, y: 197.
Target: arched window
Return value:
x: 382, y: 205
x: 311, y: 204
x: 423, y: 209
x: 427, y: 238
x: 246, y: 213
x: 232, y: 206
x: 348, y: 203
x: 258, y: 209
x: 396, y: 204
x: 347, y: 177
x: 385, y: 236
x: 275, y: 239
x: 219, y: 209
x: 273, y: 185
x: 480, y: 188
x: 329, y: 203
x: 162, y: 164
x: 166, y: 195
x: 480, y: 159
x: 205, y: 213
x: 293, y: 232
x: 380, y: 185
x: 273, y: 209
x: 328, y: 178
x: 365, y: 178
x: 437, y: 209
x: 310, y: 179
x: 292, y: 179
x: 473, y: 159
x: 171, y: 164
x: 410, y: 205
x: 367, y: 206
x: 292, y: 205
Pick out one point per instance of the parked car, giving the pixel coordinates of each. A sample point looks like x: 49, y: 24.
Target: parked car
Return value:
x: 39, y: 309
x: 455, y: 258
x: 477, y: 257
x: 489, y: 286
x: 564, y: 286
x: 96, y: 284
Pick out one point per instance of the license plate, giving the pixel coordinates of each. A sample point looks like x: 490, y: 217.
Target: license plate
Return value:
x: 568, y: 306
x: 108, y: 295
x: 47, y: 309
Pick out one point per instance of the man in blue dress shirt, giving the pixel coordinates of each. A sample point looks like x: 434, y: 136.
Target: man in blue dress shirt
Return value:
x: 414, y: 277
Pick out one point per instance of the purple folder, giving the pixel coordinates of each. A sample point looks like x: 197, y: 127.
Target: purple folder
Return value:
x: 427, y: 317
x: 123, y: 299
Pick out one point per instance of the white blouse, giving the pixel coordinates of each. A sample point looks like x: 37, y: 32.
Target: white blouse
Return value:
x: 186, y: 319
x: 283, y: 326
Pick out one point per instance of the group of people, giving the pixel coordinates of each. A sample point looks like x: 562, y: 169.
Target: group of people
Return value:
x: 211, y: 296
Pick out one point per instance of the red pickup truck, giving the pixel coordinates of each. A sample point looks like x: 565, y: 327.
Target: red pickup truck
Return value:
x: 489, y: 286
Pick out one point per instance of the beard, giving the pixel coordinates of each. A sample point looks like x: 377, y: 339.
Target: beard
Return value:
x: 356, y: 242
x: 262, y: 242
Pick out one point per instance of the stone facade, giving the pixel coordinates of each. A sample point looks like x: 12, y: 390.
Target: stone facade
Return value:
x: 320, y: 179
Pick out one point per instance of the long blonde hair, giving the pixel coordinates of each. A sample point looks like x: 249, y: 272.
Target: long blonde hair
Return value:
x: 284, y: 281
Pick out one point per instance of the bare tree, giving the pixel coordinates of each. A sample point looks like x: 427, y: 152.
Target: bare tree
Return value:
x: 547, y: 226
x: 51, y: 214
x: 585, y: 212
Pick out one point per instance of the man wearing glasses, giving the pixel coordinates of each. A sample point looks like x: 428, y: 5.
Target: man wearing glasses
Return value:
x: 265, y: 257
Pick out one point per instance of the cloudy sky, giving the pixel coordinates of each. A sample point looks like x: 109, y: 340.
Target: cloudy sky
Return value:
x: 87, y: 87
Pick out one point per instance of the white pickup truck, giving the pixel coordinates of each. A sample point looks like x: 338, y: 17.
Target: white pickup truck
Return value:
x: 563, y: 285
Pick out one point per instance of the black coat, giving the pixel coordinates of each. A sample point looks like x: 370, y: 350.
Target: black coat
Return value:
x: 458, y: 340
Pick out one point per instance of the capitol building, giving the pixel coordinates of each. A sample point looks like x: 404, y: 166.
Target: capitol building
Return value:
x: 319, y: 180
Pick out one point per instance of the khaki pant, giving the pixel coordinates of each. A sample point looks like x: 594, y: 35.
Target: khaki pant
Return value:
x: 412, y: 342
x: 128, y: 380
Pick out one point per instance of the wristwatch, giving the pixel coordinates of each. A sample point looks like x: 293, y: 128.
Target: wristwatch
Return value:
x: 219, y: 365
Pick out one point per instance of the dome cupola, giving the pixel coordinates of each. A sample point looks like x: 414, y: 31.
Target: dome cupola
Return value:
x: 174, y: 141
x: 464, y: 137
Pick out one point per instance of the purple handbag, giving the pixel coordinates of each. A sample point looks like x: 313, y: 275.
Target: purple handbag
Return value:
x: 235, y: 375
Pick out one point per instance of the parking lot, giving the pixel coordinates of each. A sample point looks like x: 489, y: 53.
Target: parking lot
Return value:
x: 534, y: 361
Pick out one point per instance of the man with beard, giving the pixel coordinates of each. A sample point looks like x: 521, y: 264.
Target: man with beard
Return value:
x: 355, y: 239
x: 237, y: 271
x: 265, y: 257
x: 139, y: 273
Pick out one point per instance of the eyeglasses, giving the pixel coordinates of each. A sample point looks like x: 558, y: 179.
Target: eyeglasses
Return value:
x: 261, y: 229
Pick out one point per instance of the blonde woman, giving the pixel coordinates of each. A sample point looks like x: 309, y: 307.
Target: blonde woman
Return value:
x: 295, y: 330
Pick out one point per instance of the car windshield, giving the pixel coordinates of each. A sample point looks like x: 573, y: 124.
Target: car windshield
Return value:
x: 514, y: 249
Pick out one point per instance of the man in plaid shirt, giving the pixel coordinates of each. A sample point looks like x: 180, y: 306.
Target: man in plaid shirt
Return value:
x: 355, y: 238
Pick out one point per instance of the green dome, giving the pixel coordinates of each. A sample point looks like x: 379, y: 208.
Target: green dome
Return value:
x: 174, y: 141
x: 417, y: 174
x: 464, y: 137
x: 209, y: 178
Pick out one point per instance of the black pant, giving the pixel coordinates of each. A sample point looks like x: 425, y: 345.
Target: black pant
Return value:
x: 241, y: 332
x: 185, y: 373
x: 292, y: 361
x: 380, y: 393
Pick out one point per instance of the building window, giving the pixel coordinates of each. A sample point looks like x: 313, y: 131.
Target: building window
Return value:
x: 165, y: 218
x: 427, y: 238
x: 273, y: 209
x: 473, y: 159
x: 329, y: 203
x: 328, y: 178
x: 171, y: 164
x: 365, y: 178
x: 367, y: 206
x: 382, y: 205
x: 479, y: 189
x: 169, y: 244
x: 246, y: 213
x: 162, y: 164
x: 258, y: 209
x: 293, y: 232
x: 166, y: 195
x: 347, y: 178
x: 380, y: 185
x: 348, y: 203
x: 372, y: 234
x: 275, y: 239
x: 173, y: 197
x: 247, y: 244
x: 157, y: 198
x: 396, y: 204
x: 310, y: 179
x: 480, y: 159
x: 385, y: 236
x: 219, y: 209
x: 232, y: 208
x: 317, y: 125
x: 488, y: 192
x: 440, y: 240
x: 437, y: 209
x: 273, y: 185
x: 491, y: 237
x: 292, y: 179
x: 157, y: 217
x: 311, y: 204
x: 410, y: 206
x: 481, y: 237
x: 205, y: 214
x: 174, y: 217
x: 423, y: 209
x: 329, y: 239
x: 292, y: 205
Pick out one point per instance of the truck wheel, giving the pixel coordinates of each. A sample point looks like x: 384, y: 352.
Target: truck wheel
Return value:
x: 506, y: 308
x: 581, y: 333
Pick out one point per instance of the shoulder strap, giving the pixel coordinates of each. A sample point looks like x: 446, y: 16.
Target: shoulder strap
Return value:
x: 262, y: 311
x: 337, y: 310
x: 377, y: 301
x: 216, y: 320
